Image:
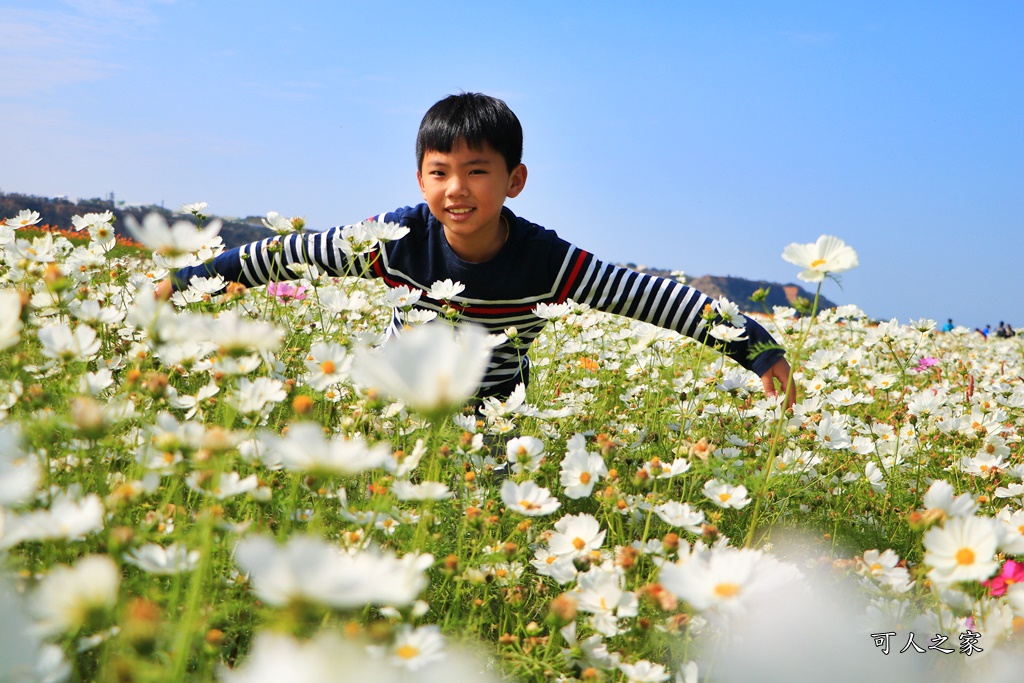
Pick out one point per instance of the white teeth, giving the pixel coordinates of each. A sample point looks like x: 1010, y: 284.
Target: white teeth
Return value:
x: 459, y: 210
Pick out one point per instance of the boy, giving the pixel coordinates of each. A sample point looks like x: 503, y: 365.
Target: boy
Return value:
x: 469, y: 160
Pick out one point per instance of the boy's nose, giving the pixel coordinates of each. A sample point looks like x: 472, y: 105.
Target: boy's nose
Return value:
x: 456, y: 187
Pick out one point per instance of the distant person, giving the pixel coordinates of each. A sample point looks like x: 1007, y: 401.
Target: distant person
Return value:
x: 948, y: 327
x: 468, y: 153
x: 986, y: 331
x: 1004, y: 331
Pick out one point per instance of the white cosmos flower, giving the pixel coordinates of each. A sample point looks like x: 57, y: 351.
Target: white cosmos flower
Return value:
x: 681, y: 515
x: 69, y: 598
x: 601, y: 593
x: 278, y: 223
x: 10, y: 318
x: 580, y: 471
x: 258, y: 395
x: 726, y: 579
x: 305, y: 449
x: 962, y: 549
x: 443, y: 290
x: 831, y: 433
x: 157, y: 559
x: 560, y: 568
x: 178, y: 240
x: 643, y: 671
x: 235, y: 335
x: 730, y: 312
x: 875, y: 477
x: 80, y: 223
x: 427, y: 490
x: 194, y: 208
x: 940, y: 501
x: 576, y: 535
x: 552, y: 311
x: 386, y: 232
x: 227, y: 485
x: 525, y: 453
x: 825, y: 256
x: 413, y: 649
x: 356, y: 239
x: 528, y: 498
x: 1011, y: 531
x: 67, y: 519
x: 430, y: 368
x: 402, y: 296
x: 328, y: 363
x: 62, y: 343
x: 884, y: 568
x: 309, y: 569
x: 726, y: 495
x: 591, y: 651
x: 90, y: 311
x: 24, y: 219
x: 728, y: 333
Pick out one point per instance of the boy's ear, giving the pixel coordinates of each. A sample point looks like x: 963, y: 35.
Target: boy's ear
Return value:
x: 516, y: 181
x: 419, y: 179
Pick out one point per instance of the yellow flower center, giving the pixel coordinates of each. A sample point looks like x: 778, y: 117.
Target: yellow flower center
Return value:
x: 407, y: 651
x: 585, y: 477
x: 327, y: 366
x: 727, y: 590
x: 578, y: 543
x: 724, y: 497
x: 817, y: 262
x: 965, y: 556
x: 875, y: 568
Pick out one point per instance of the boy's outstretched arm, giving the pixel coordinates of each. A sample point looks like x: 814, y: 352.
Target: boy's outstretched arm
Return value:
x: 780, y: 372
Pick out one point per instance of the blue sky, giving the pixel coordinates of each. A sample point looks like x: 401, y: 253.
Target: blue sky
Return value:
x: 689, y: 135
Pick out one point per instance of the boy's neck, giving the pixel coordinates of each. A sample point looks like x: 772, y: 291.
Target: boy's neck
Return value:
x: 481, y: 246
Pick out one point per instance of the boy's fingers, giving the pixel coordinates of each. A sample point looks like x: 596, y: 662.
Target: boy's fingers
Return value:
x: 163, y: 290
x: 780, y: 371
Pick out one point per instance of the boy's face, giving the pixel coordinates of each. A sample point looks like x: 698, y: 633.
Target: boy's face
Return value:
x: 465, y: 190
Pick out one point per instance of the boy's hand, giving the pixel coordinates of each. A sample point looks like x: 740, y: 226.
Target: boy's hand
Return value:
x: 781, y: 372
x: 164, y: 289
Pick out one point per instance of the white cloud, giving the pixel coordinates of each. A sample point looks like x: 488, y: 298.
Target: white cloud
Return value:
x: 45, y: 49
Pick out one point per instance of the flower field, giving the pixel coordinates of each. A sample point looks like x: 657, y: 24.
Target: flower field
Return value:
x: 245, y: 485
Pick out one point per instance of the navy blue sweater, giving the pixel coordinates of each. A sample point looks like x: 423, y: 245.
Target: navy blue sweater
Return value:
x: 534, y: 266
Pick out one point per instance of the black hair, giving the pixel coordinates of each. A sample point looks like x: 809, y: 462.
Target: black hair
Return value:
x: 475, y: 118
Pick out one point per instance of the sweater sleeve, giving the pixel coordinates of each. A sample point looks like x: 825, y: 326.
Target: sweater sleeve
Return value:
x: 665, y: 303
x: 266, y: 260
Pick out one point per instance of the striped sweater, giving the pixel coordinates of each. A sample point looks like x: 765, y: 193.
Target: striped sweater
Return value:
x: 534, y: 267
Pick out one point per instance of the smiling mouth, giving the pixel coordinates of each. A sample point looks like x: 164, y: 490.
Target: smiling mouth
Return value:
x: 461, y: 211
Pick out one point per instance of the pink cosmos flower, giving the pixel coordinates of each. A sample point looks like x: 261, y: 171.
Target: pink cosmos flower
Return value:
x: 925, y: 363
x: 1013, y: 572
x: 286, y: 291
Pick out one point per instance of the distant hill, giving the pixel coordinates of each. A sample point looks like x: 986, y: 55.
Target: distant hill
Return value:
x: 236, y: 232
x: 58, y: 212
